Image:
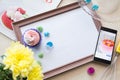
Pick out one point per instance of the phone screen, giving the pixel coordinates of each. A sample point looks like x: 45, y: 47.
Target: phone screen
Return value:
x: 105, y: 45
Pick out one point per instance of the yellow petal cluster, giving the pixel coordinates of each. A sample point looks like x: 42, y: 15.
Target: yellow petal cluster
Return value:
x: 118, y: 48
x: 19, y: 59
x: 35, y: 73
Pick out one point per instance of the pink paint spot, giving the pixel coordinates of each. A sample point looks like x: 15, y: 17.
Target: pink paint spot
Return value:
x: 48, y: 1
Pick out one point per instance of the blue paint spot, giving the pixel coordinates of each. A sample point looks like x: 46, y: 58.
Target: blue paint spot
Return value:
x: 49, y: 44
x: 87, y: 1
x: 46, y: 34
x: 95, y: 7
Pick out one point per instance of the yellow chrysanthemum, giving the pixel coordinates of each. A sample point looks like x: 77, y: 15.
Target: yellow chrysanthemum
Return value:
x: 35, y: 73
x: 19, y: 59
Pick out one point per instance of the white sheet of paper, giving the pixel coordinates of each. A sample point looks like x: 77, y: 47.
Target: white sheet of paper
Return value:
x: 73, y: 34
x: 32, y: 7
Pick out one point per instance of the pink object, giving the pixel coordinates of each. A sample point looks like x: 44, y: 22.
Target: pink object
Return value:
x: 91, y: 70
x: 48, y: 1
x: 11, y: 15
x: 106, y: 48
x: 31, y: 37
x: 107, y: 45
x: 21, y: 10
x: 15, y: 13
x: 17, y: 16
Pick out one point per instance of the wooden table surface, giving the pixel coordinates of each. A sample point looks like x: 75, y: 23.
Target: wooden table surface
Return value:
x: 79, y: 73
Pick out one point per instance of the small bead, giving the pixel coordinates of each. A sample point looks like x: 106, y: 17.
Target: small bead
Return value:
x: 40, y: 29
x: 49, y: 44
x: 41, y: 55
x: 46, y: 34
x: 95, y: 7
x: 87, y: 1
x: 91, y: 70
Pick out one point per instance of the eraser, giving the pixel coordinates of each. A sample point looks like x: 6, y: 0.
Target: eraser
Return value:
x: 118, y: 48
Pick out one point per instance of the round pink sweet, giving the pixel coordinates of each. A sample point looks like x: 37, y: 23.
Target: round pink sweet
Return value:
x: 91, y: 70
x: 32, y: 37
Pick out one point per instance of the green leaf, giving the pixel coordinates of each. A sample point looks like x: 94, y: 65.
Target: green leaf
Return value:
x: 5, y: 74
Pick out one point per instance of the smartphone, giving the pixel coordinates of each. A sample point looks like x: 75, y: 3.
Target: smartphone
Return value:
x: 105, y: 45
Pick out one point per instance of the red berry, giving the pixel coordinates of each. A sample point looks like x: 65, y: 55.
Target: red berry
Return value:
x: 21, y: 10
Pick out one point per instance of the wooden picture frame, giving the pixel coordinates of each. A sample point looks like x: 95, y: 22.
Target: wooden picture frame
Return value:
x: 19, y: 24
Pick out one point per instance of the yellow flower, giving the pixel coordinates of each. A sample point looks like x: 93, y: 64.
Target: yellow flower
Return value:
x: 18, y: 59
x: 35, y: 73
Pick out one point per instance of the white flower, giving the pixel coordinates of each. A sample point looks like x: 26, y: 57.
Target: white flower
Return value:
x: 14, y: 14
x: 11, y: 11
x: 17, y: 16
